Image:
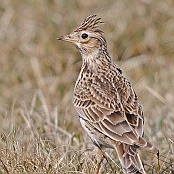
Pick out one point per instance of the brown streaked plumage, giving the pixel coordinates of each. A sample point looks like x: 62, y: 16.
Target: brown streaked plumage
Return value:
x: 108, y: 107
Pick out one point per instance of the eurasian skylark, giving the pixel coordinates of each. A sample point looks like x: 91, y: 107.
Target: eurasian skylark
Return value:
x: 107, y: 105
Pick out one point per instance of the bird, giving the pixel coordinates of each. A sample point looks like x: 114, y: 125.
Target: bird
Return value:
x: 107, y: 105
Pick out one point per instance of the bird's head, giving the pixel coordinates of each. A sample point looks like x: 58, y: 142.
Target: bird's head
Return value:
x: 87, y: 37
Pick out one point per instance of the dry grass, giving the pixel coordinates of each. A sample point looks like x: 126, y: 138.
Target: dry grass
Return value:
x: 40, y: 131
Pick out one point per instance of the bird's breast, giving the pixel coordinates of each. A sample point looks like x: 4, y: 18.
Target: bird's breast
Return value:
x: 96, y: 88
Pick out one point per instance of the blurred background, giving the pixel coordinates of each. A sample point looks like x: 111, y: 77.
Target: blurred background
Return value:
x: 40, y: 129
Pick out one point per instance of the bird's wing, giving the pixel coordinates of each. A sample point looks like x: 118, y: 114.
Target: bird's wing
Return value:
x: 113, y: 111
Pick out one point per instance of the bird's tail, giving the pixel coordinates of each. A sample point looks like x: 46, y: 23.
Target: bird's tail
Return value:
x: 129, y: 158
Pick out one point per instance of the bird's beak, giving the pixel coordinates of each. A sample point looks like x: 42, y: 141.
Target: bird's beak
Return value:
x: 67, y: 38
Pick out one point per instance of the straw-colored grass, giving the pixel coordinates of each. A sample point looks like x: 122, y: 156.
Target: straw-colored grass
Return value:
x: 40, y: 130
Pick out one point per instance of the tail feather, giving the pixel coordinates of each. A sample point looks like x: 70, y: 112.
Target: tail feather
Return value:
x: 129, y: 158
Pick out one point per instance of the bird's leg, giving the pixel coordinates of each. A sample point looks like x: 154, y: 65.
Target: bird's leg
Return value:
x: 99, y: 166
x: 100, y: 158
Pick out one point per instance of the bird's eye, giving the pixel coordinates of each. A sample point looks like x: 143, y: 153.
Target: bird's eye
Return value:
x: 84, y: 35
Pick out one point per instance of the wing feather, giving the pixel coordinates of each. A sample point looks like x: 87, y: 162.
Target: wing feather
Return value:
x: 111, y: 106
x: 120, y: 128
